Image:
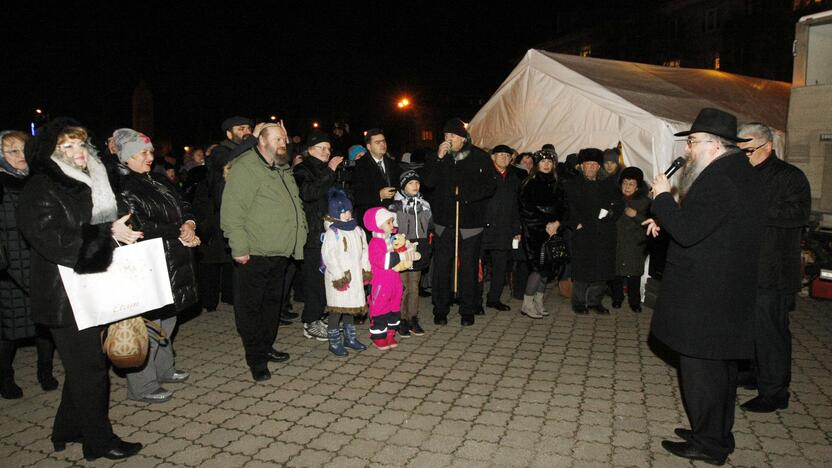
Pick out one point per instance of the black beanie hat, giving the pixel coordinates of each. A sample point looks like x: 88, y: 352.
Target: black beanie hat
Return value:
x: 406, y: 177
x: 591, y: 154
x: 455, y: 126
x: 315, y: 137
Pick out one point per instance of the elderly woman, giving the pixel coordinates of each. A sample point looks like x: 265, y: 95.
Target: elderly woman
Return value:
x: 16, y: 321
x: 67, y: 212
x: 157, y: 210
x: 542, y: 209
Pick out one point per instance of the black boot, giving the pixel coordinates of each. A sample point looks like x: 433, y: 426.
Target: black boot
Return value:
x: 8, y: 388
x: 46, y: 352
x: 404, y: 329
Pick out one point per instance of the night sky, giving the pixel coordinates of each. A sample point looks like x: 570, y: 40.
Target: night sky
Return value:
x: 324, y: 62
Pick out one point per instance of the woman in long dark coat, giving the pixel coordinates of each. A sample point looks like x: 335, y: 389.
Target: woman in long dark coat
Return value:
x: 67, y: 213
x: 631, y: 246
x: 15, y: 308
x: 542, y: 209
x: 157, y: 210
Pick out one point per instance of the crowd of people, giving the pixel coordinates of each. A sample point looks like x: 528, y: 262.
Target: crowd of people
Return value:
x: 262, y: 222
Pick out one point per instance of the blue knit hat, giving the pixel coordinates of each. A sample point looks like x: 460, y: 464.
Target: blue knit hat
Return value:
x: 338, y: 202
x: 354, y: 151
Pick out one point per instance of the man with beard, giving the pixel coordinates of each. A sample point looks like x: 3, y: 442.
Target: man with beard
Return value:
x: 705, y: 307
x: 215, y: 264
x: 788, y: 202
x: 460, y: 177
x: 263, y: 219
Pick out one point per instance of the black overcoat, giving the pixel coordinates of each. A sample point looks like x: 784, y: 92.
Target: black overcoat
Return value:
x: 708, y: 289
x: 788, y: 204
x: 15, y: 308
x: 631, y: 247
x: 368, y: 180
x: 593, y: 245
x: 502, y: 214
x: 314, y: 179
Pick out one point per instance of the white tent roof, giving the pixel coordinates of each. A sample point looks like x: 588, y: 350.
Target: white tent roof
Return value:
x: 579, y: 102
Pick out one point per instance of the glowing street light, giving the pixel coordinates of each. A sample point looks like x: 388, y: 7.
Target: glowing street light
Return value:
x: 403, y: 103
x: 314, y: 124
x: 273, y: 118
x: 38, y: 111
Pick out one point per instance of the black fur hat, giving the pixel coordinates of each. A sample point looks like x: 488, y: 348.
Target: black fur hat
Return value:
x: 39, y: 149
x: 591, y: 154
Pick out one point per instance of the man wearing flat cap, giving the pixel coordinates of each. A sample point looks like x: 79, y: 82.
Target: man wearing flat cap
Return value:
x: 215, y: 264
x: 704, y: 309
x: 459, y: 177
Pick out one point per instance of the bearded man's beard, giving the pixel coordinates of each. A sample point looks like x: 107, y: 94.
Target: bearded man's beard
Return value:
x: 281, y: 156
x: 690, y: 172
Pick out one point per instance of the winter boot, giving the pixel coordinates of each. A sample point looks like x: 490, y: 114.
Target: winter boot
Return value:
x: 529, y: 308
x: 538, y: 304
x: 335, y: 345
x: 391, y: 339
x: 350, y: 339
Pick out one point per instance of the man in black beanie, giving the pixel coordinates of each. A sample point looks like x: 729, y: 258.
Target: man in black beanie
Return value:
x: 460, y: 178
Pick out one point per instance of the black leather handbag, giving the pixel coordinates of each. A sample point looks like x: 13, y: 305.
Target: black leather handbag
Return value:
x: 553, y: 252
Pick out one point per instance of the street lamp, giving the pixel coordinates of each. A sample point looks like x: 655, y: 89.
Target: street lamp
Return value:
x: 314, y: 124
x: 403, y: 103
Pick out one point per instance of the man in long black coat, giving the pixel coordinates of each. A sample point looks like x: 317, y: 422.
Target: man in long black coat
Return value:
x: 458, y: 173
x: 705, y: 305
x: 788, y: 203
x: 594, y: 209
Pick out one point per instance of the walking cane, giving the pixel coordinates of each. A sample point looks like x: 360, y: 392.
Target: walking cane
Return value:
x: 456, y: 243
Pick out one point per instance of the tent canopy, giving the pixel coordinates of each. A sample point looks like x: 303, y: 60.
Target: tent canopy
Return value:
x: 578, y: 102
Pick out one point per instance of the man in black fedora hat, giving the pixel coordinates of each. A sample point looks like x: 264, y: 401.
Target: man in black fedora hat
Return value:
x: 705, y: 305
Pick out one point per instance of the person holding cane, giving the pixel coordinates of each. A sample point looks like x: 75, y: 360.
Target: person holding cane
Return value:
x: 459, y: 177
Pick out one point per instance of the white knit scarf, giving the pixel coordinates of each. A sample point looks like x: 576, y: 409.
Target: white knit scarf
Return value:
x: 104, y: 208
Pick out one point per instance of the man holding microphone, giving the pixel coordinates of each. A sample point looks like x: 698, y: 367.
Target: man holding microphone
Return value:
x: 704, y: 309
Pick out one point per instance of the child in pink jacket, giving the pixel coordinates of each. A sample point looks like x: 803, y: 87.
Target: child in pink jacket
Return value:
x: 388, y: 256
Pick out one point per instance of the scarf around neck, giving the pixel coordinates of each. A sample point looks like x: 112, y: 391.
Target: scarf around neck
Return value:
x: 104, y: 208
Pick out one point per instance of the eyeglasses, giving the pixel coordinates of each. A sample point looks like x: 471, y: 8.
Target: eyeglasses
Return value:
x: 750, y: 151
x: 691, y: 141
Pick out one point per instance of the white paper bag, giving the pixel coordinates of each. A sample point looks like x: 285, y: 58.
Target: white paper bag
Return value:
x: 137, y: 281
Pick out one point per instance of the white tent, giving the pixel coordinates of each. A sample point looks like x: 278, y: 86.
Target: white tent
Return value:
x: 579, y: 102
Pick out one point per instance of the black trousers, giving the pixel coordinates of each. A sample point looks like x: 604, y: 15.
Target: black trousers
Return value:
x: 709, y: 389
x: 519, y: 273
x: 215, y: 281
x: 84, y: 410
x: 314, y: 295
x: 442, y: 284
x: 633, y: 289
x: 497, y: 261
x: 772, y: 343
x: 588, y: 294
x: 259, y: 300
x: 45, y: 349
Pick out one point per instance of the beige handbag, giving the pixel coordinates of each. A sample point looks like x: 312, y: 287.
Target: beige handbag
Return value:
x: 126, y: 342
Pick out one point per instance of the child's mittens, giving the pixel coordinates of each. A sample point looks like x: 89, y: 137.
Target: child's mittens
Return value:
x: 344, y: 283
x: 367, y: 276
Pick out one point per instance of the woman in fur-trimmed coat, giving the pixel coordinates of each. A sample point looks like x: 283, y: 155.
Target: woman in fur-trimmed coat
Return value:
x: 67, y: 213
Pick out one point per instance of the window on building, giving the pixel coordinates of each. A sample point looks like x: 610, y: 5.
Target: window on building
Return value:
x: 427, y: 135
x: 675, y: 63
x: 711, y: 20
x: 716, y: 62
x: 586, y: 51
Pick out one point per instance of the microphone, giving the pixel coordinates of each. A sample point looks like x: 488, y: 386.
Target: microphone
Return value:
x: 675, y: 166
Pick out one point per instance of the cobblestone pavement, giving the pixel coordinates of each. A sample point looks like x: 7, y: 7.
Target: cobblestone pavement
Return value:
x: 508, y: 391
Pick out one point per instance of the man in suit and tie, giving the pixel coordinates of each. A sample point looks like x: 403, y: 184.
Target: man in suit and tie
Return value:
x: 375, y: 178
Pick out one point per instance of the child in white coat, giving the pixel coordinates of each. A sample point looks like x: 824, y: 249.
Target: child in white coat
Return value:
x: 347, y: 269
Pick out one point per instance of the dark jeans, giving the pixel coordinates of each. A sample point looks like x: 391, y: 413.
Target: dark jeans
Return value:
x: 585, y: 294
x: 442, y: 285
x: 84, y: 411
x: 497, y: 261
x: 259, y: 293
x: 314, y: 296
x: 215, y: 281
x: 772, y: 343
x: 709, y: 389
x: 633, y: 290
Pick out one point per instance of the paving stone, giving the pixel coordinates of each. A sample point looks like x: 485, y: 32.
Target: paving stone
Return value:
x: 193, y: 456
